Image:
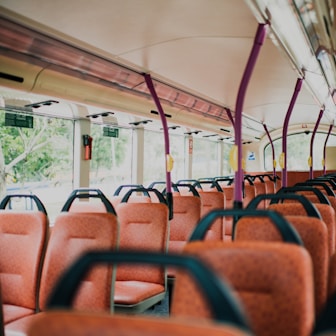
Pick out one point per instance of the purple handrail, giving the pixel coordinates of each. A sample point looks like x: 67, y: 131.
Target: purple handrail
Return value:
x: 311, y: 173
x: 324, y: 148
x: 156, y: 99
x: 285, y: 129
x: 273, y: 151
x: 229, y: 114
x: 258, y: 42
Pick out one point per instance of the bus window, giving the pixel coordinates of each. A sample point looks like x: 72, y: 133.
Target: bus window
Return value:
x: 37, y: 160
x: 111, y: 163
x: 154, y: 160
x: 298, y: 147
x: 205, y: 158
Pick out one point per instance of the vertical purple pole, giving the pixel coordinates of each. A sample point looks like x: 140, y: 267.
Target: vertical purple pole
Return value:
x: 311, y: 174
x: 285, y: 129
x: 229, y: 114
x: 156, y: 99
x: 324, y: 149
x: 273, y: 151
x: 258, y: 42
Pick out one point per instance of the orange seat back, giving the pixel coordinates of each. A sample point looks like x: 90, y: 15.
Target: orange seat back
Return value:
x: 273, y: 281
x: 314, y: 235
x: 187, y: 213
x: 22, y: 244
x: 143, y: 226
x: 211, y: 200
x: 72, y: 235
x: 61, y: 323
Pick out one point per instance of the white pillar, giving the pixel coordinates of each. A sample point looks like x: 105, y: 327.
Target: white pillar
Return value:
x: 138, y: 155
x: 81, y: 167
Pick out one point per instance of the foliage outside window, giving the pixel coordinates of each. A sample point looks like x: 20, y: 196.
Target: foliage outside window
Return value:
x: 205, y: 158
x: 111, y: 163
x: 154, y: 157
x: 34, y: 160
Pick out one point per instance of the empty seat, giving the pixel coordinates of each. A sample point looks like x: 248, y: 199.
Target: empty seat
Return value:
x: 72, y: 235
x: 2, y: 331
x: 66, y: 323
x: 139, y: 197
x: 22, y: 243
x: 228, y: 317
x: 312, y: 230
x: 273, y: 280
x: 143, y: 226
x: 88, y: 200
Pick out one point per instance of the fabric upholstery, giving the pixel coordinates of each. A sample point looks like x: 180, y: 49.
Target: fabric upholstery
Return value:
x: 22, y: 243
x: 213, y: 200
x: 273, y: 281
x: 314, y: 235
x: 75, y: 324
x: 143, y: 226
x: 72, y: 234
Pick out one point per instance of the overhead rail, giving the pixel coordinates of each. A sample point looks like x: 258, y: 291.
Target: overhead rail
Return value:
x: 237, y: 149
x: 310, y: 159
x: 283, y: 155
x: 23, y: 43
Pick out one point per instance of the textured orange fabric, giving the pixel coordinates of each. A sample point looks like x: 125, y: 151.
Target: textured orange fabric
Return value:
x: 143, y: 226
x: 326, y: 212
x: 314, y: 235
x: 2, y: 332
x: 22, y: 243
x: 249, y: 194
x: 72, y: 234
x: 132, y: 292
x: 211, y: 200
x: 260, y: 188
x: 273, y: 281
x: 75, y: 324
x: 227, y: 221
x: 332, y: 276
x: 187, y: 213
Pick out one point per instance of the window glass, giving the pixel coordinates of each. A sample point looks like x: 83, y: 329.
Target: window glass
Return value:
x: 37, y: 160
x: 205, y: 158
x: 111, y: 163
x: 298, y: 149
x: 154, y: 157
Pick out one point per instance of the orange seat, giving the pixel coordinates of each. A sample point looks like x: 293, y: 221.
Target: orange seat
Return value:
x: 143, y: 226
x: 88, y: 200
x: 2, y: 331
x: 60, y: 323
x: 211, y: 200
x: 73, y: 234
x: 187, y: 212
x: 228, y: 317
x: 273, y: 280
x: 314, y: 235
x: 123, y: 190
x: 23, y: 237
